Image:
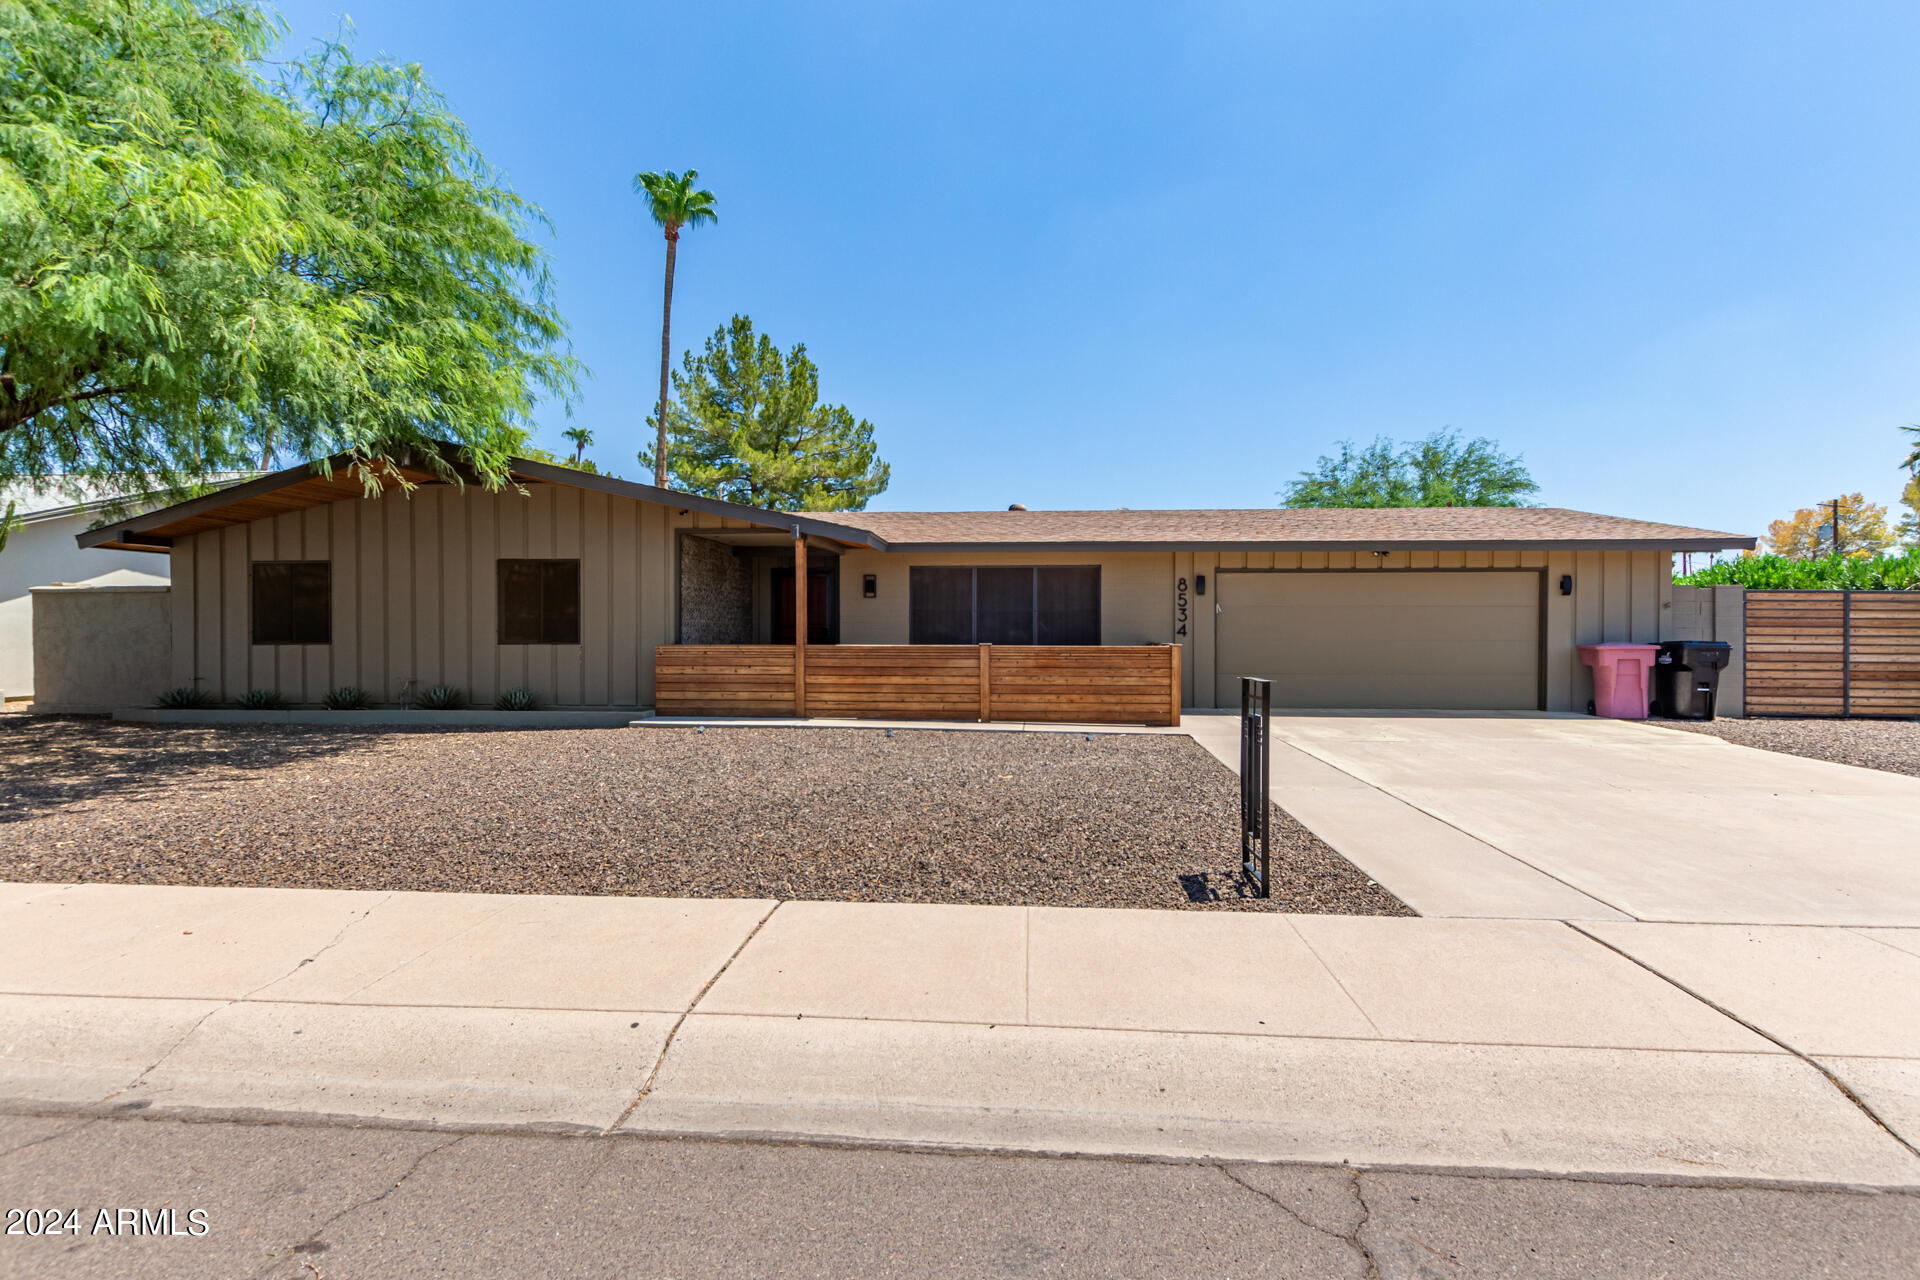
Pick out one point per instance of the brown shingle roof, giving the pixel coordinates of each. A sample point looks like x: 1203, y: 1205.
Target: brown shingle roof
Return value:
x: 1305, y: 529
x: 1269, y: 529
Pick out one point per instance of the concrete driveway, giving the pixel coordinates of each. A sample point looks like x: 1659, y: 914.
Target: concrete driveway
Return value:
x: 1568, y: 817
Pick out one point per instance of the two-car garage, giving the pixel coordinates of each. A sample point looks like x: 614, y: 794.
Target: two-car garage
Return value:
x: 1423, y: 639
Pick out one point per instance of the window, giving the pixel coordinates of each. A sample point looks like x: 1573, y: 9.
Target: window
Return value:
x: 293, y: 602
x: 1067, y: 605
x: 539, y: 602
x: 940, y: 602
x: 995, y: 605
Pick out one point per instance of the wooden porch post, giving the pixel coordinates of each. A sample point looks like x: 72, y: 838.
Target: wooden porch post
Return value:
x: 799, y: 622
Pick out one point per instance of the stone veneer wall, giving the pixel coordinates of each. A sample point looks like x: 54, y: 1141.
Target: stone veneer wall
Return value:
x: 716, y: 593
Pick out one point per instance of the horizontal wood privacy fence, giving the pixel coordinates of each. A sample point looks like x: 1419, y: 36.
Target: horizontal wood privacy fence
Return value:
x: 1833, y: 653
x: 1135, y: 684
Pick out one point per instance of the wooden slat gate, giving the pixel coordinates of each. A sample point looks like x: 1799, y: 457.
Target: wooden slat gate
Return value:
x: 1833, y: 653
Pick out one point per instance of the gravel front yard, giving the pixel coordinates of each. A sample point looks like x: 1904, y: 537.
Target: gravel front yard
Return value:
x: 851, y: 814
x: 1892, y: 745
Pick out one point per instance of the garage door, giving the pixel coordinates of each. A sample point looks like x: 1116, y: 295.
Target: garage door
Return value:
x: 1463, y: 641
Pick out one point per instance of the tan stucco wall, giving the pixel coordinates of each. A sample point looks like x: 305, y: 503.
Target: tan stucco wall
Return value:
x: 1136, y: 592
x: 414, y: 584
x: 41, y: 554
x: 96, y: 648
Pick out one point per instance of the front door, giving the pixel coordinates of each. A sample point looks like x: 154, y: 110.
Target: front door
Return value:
x: 819, y: 624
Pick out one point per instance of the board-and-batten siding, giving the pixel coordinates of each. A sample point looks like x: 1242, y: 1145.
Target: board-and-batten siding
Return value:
x: 1618, y: 595
x: 414, y: 583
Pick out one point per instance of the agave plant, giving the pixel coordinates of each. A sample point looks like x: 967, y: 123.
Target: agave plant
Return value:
x: 439, y: 697
x: 520, y: 699
x: 188, y: 697
x: 347, y: 698
x: 263, y: 700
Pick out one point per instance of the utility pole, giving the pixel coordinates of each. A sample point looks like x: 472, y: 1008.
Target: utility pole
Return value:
x: 1838, y: 546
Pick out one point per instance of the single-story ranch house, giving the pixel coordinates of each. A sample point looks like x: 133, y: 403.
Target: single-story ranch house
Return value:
x: 571, y: 583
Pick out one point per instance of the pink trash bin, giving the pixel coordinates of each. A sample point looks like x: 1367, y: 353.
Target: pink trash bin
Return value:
x: 1620, y: 674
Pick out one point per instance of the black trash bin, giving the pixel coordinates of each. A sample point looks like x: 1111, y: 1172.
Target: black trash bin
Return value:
x: 1686, y: 678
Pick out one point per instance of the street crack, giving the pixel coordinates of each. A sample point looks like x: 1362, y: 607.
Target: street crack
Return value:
x: 1349, y: 1238
x: 313, y: 1244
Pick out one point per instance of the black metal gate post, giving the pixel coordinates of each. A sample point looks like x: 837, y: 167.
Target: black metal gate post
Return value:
x: 1256, y: 699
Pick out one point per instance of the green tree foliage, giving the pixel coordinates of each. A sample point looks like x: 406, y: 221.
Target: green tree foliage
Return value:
x: 1438, y: 471
x: 1913, y: 459
x: 746, y: 426
x: 1909, y: 530
x: 208, y: 259
x: 1899, y: 572
x: 7, y: 519
x: 673, y: 202
x: 534, y: 453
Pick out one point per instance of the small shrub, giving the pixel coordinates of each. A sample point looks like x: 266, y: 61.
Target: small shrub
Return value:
x: 521, y: 699
x: 347, y: 698
x: 263, y: 700
x: 188, y: 697
x: 439, y: 697
x: 1895, y: 571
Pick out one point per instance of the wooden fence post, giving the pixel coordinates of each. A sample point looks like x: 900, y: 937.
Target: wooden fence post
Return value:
x: 1173, y: 696
x: 986, y: 683
x: 799, y: 622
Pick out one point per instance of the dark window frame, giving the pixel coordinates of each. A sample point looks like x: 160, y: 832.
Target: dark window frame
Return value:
x: 310, y: 625
x: 555, y: 617
x: 1036, y: 629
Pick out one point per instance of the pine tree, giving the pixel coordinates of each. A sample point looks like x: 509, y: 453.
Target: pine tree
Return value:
x: 746, y: 426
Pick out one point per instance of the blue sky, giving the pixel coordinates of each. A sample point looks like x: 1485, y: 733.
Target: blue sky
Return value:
x: 1115, y: 255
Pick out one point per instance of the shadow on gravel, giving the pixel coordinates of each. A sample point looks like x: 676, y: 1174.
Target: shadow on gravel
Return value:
x: 49, y: 763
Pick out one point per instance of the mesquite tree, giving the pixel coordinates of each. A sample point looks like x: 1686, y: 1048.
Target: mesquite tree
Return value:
x: 209, y: 260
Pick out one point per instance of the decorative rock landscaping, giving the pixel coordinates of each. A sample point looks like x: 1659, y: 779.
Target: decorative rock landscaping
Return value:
x: 852, y: 814
x: 1892, y: 745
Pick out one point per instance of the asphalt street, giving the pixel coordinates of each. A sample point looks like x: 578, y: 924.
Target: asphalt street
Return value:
x: 295, y: 1202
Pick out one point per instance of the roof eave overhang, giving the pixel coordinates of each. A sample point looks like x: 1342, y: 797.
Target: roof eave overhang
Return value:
x: 126, y: 535
x: 1345, y: 544
x: 116, y: 536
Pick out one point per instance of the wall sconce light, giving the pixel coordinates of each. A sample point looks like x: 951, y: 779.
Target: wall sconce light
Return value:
x: 1566, y: 584
x: 869, y: 585
x: 1200, y: 584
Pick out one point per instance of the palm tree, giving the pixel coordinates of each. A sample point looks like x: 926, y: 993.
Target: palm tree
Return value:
x: 581, y: 438
x: 674, y: 203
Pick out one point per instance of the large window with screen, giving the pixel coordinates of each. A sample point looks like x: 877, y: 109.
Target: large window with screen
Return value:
x: 995, y: 604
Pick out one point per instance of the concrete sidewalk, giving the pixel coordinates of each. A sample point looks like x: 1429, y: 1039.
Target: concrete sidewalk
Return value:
x: 1609, y: 1049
